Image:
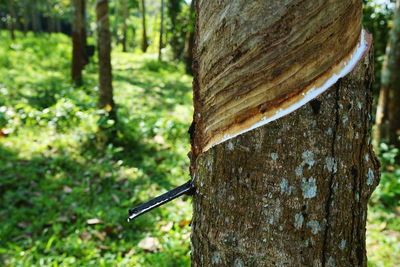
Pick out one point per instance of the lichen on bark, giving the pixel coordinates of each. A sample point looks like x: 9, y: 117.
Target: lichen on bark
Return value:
x: 293, y: 192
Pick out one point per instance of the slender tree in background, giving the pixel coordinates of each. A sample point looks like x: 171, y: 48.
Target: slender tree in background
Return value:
x: 116, y: 18
x: 35, y: 14
x: 145, y: 43
x: 388, y: 109
x: 50, y: 18
x: 294, y: 191
x: 106, y: 99
x: 189, y: 41
x: 161, y: 31
x: 26, y: 16
x: 125, y: 12
x: 12, y: 17
x: 79, y: 58
x: 176, y: 30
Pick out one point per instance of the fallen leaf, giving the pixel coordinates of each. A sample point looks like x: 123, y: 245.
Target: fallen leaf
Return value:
x: 94, y: 221
x: 102, y: 247
x: 383, y: 226
x: 108, y: 107
x: 100, y: 235
x: 392, y: 233
x: 186, y: 236
x: 62, y: 219
x: 149, y: 244
x: 23, y: 224
x: 184, y: 223
x: 116, y: 198
x: 85, y: 236
x: 67, y: 189
x: 110, y: 229
x: 159, y: 139
x: 3, y: 132
x: 167, y: 227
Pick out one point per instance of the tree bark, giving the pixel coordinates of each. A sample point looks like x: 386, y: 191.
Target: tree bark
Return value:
x: 161, y: 31
x: 292, y: 192
x: 145, y: 43
x: 189, y: 42
x: 12, y: 17
x: 124, y: 18
x: 79, y: 58
x: 104, y: 54
x: 388, y: 110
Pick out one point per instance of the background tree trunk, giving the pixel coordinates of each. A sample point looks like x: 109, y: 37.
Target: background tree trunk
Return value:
x: 125, y: 17
x: 26, y: 16
x: 161, y: 31
x: 104, y: 53
x: 189, y: 42
x: 293, y: 192
x: 36, y: 23
x: 79, y: 57
x: 12, y: 17
x: 116, y: 21
x: 145, y: 43
x: 388, y: 110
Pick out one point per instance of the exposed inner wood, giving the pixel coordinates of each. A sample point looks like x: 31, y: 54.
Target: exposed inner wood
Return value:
x: 247, y: 77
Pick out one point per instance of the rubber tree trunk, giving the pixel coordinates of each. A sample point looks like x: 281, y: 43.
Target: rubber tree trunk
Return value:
x: 104, y: 54
x: 293, y: 191
x: 124, y: 29
x: 161, y: 31
x: 145, y: 43
x: 79, y: 58
x: 189, y: 42
x: 12, y: 18
x: 388, y: 110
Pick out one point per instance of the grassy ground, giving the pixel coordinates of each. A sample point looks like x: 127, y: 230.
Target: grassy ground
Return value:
x: 56, y: 175
x: 64, y: 196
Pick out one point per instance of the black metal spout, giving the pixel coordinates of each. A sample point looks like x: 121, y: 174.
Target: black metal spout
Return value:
x: 186, y: 188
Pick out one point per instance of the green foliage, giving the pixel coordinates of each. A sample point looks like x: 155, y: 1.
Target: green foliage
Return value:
x: 56, y: 173
x: 178, y: 14
x: 383, y: 229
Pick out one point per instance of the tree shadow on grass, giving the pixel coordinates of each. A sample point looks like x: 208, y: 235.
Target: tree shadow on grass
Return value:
x: 56, y: 195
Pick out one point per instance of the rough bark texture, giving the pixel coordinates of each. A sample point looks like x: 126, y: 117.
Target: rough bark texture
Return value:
x: 161, y: 31
x: 273, y: 48
x: 145, y: 43
x: 189, y: 42
x: 388, y: 112
x: 79, y: 57
x: 293, y: 192
x: 104, y: 53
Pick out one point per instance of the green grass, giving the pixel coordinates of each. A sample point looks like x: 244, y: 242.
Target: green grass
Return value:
x: 56, y: 172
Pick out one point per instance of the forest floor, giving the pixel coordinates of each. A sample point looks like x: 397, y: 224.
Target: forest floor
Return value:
x: 65, y: 195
